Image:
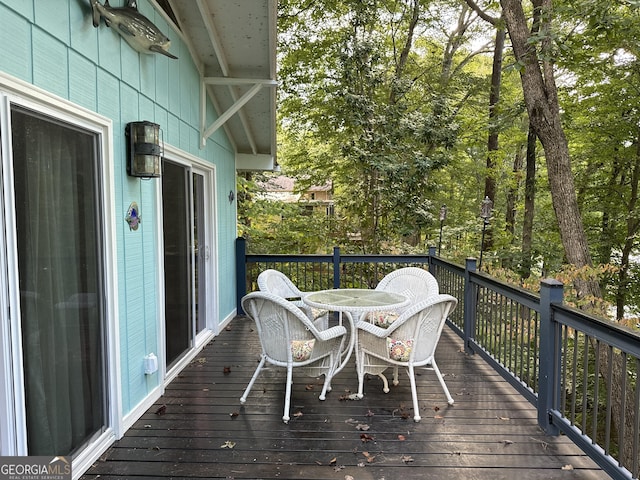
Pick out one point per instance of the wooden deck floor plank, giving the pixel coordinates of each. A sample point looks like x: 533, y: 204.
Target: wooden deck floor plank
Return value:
x: 490, y: 433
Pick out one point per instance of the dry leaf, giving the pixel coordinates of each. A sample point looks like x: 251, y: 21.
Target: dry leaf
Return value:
x: 333, y: 461
x: 567, y: 467
x: 298, y: 414
x: 234, y: 414
x: 406, y: 459
x: 365, y: 437
x: 402, y: 438
x: 162, y: 409
x: 228, y: 444
x: 369, y: 413
x: 348, y: 477
x: 507, y: 442
x: 226, y: 370
x: 308, y: 387
x: 362, y: 426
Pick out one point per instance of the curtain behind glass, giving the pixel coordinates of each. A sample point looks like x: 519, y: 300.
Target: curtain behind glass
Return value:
x: 59, y: 268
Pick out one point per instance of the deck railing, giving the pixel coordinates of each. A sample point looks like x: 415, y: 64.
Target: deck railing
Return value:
x: 579, y: 371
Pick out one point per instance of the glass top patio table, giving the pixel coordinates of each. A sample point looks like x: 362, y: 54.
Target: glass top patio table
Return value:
x: 355, y: 300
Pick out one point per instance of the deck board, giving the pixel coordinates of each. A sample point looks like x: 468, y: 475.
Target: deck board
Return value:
x: 490, y: 433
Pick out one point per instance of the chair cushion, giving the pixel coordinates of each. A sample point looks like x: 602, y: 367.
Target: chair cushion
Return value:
x: 301, y: 349
x: 399, y: 350
x: 382, y: 318
x: 317, y: 313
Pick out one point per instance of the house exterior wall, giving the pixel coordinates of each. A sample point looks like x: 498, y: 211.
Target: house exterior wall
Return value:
x: 53, y: 45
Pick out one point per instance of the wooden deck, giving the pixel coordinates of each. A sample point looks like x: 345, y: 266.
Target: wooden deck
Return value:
x: 490, y: 432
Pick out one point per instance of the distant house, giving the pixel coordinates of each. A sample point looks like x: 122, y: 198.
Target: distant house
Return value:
x: 316, y: 197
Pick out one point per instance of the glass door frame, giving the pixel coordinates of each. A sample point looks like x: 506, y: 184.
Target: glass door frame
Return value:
x: 13, y: 440
x: 193, y: 165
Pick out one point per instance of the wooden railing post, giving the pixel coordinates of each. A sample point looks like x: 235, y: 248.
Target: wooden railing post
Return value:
x: 551, y: 291
x: 241, y: 272
x: 469, y: 315
x: 432, y: 267
x: 336, y: 267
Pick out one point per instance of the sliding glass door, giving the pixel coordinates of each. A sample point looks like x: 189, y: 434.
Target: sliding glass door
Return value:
x: 58, y: 242
x: 186, y: 256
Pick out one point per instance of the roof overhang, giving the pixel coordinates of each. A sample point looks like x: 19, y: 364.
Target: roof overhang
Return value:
x: 234, y: 44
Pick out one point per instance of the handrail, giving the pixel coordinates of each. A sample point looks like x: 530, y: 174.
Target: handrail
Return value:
x: 578, y: 370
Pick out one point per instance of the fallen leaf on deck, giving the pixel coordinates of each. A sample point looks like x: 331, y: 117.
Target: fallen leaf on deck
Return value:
x: 567, y: 467
x: 402, y: 438
x: 369, y: 413
x: 348, y: 477
x: 228, y: 444
x: 370, y: 458
x: 333, y: 461
x: 362, y: 426
x: 507, y: 442
x: 226, y: 370
x: 406, y: 459
x: 298, y: 414
x: 308, y: 387
x: 234, y: 414
x: 504, y: 418
x: 202, y: 360
x: 161, y: 410
x: 365, y: 437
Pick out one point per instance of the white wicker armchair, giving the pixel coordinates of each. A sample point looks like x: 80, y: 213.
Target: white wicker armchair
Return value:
x: 410, y: 341
x: 277, y: 283
x: 412, y: 282
x: 290, y: 339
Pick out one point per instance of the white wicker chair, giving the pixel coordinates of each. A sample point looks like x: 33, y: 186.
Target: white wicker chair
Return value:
x: 290, y: 339
x: 412, y: 282
x: 277, y: 283
x: 410, y: 341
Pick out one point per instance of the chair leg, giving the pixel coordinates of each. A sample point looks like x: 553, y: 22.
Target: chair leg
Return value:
x: 414, y: 394
x: 385, y: 383
x: 243, y: 398
x: 441, y: 380
x: 360, y: 370
x: 396, y: 382
x: 287, y: 395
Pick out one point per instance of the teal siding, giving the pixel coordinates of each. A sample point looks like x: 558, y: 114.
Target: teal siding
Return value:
x: 53, y: 45
x: 16, y: 30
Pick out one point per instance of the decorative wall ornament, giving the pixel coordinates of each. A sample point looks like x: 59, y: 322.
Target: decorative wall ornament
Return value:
x: 138, y: 31
x: 133, y: 217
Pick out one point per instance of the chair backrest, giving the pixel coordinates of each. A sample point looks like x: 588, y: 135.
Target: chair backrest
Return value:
x: 422, y: 324
x: 412, y: 282
x: 279, y: 323
x: 273, y: 281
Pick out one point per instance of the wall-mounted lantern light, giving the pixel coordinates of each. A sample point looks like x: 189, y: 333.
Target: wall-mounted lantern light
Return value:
x: 143, y: 149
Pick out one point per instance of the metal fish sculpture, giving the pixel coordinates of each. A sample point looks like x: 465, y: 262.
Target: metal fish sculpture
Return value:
x: 134, y: 27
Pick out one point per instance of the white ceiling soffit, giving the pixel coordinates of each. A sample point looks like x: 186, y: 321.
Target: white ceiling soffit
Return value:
x: 234, y: 42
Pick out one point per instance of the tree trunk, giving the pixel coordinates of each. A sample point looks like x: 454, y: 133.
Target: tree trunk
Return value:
x: 512, y: 194
x: 492, y: 141
x: 633, y: 224
x: 529, y: 203
x: 540, y: 95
